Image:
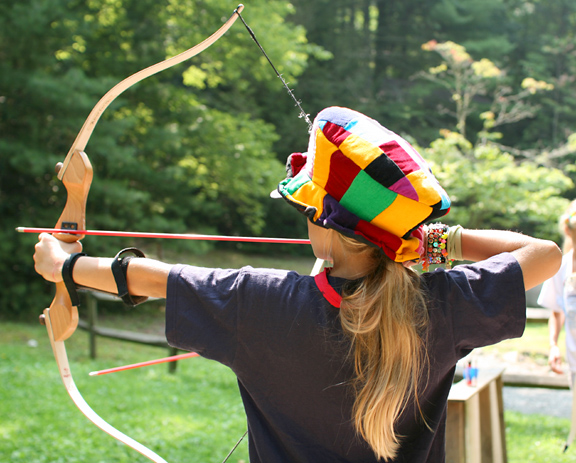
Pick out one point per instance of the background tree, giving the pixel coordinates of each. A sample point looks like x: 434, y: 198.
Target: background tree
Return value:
x: 199, y: 147
x: 490, y: 188
x: 186, y: 150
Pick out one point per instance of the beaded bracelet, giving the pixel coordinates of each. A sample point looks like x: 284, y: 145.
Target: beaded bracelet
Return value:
x: 436, y: 251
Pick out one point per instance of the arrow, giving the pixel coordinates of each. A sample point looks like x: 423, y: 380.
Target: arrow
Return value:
x: 173, y: 358
x: 173, y: 236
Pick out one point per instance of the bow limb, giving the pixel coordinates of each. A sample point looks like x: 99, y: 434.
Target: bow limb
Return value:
x: 88, y: 127
x: 64, y: 367
x: 61, y: 318
x: 317, y: 268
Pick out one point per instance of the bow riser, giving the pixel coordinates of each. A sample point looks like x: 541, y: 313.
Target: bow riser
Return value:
x: 76, y: 175
x: 63, y: 314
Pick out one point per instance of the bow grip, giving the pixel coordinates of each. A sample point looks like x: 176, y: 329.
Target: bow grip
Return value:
x: 76, y: 175
x: 63, y: 315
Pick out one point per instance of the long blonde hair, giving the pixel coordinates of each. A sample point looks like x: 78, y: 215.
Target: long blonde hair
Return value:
x: 384, y: 316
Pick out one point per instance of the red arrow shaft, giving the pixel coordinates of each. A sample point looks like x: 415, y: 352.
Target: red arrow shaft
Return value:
x: 145, y: 364
x: 173, y: 236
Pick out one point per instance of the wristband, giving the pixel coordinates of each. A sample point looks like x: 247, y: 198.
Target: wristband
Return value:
x: 435, y: 246
x: 119, y: 270
x: 455, y: 243
x: 67, y: 269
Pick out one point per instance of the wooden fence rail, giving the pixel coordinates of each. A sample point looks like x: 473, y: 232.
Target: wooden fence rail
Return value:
x: 91, y: 326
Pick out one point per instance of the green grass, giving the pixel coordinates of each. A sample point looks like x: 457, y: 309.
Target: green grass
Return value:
x: 193, y: 416
x: 537, y: 438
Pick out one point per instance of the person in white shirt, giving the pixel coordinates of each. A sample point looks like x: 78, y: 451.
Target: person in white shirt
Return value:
x: 558, y: 294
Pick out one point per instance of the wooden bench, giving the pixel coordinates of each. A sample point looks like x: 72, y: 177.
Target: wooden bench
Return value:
x: 475, y: 431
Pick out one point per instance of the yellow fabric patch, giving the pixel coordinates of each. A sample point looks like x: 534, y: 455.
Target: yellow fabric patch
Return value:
x: 363, y: 151
x: 323, y: 154
x: 401, y: 216
x: 310, y: 194
x: 425, y: 187
x: 407, y: 250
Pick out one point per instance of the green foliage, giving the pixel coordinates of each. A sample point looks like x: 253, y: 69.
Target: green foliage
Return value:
x: 490, y: 189
x: 484, y: 28
x: 197, y: 148
x: 467, y: 79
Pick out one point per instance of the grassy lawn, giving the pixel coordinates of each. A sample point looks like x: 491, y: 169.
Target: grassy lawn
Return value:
x: 537, y: 438
x: 192, y: 416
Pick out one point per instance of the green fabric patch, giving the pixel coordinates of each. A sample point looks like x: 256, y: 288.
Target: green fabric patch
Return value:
x: 366, y: 197
x: 291, y: 185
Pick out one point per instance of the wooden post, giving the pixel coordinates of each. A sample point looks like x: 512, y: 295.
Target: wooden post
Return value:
x: 172, y: 365
x: 141, y: 338
x: 92, y: 305
x: 475, y: 431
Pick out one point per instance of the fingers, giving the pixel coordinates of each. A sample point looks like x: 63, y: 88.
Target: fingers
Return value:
x: 555, y: 360
x: 50, y: 254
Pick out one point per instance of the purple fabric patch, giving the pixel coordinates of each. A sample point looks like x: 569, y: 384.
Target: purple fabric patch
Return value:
x: 337, y: 217
x: 404, y: 187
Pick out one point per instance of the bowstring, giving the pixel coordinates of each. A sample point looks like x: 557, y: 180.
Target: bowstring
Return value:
x: 234, y: 448
x: 303, y: 114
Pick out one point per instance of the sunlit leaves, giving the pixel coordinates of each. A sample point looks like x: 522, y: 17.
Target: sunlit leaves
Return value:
x: 489, y: 188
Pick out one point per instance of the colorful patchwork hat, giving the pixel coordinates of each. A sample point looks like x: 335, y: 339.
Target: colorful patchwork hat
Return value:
x: 366, y: 182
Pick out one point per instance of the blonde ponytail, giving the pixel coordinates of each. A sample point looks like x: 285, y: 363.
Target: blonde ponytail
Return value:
x: 384, y: 316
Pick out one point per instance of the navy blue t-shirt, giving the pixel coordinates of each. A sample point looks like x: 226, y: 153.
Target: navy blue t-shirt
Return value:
x: 284, y: 342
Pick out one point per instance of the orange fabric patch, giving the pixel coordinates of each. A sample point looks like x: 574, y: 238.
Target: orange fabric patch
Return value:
x: 324, y: 150
x: 310, y: 194
x: 363, y: 152
x: 425, y: 187
x: 401, y: 215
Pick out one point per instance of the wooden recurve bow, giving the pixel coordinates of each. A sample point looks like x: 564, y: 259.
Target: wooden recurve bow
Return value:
x: 61, y: 318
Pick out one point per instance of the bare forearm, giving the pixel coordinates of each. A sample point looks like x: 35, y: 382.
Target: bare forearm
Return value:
x: 539, y: 259
x: 555, y: 326
x: 145, y: 277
